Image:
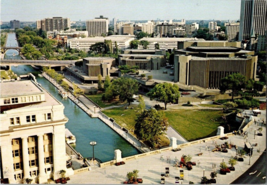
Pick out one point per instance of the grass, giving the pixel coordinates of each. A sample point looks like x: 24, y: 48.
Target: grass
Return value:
x: 191, y: 124
x: 195, y: 124
x: 124, y: 117
x: 97, y: 98
x: 211, y: 105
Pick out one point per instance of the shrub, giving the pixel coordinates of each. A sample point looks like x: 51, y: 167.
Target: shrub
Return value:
x: 143, y: 75
x: 149, y: 77
x: 223, y: 165
x: 188, y: 103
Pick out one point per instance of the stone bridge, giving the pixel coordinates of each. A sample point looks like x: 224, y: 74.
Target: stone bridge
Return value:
x: 15, y: 48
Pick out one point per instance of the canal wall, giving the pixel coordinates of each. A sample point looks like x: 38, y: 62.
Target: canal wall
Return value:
x: 113, y: 125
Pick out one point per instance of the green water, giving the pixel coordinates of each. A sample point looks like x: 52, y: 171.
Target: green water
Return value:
x: 84, y: 127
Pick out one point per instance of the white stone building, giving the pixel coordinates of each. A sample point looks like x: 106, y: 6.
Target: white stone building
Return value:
x: 32, y: 133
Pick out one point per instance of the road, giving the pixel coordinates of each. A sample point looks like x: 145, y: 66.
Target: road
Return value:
x: 260, y: 166
x: 38, y: 62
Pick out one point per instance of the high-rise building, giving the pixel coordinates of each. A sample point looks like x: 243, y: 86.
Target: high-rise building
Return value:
x: 115, y: 25
x: 253, y: 16
x: 212, y: 25
x: 148, y: 27
x: 51, y: 24
x: 14, y: 24
x: 232, y: 30
x: 32, y: 133
x: 97, y: 26
x: 127, y: 29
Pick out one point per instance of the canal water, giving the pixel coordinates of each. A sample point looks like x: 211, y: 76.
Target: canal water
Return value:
x: 12, y: 42
x: 84, y: 127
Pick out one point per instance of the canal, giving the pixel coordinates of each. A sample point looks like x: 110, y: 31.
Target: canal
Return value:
x: 84, y: 127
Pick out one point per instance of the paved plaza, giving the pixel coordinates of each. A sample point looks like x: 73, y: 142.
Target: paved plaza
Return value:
x: 151, y: 167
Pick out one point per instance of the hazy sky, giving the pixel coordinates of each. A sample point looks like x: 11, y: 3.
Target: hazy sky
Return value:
x: 32, y: 10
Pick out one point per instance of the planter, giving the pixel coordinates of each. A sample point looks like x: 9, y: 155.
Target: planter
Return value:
x: 240, y: 159
x: 223, y: 171
x: 58, y: 181
x: 228, y: 170
x: 139, y: 180
x: 125, y: 182
x: 259, y: 134
x: 212, y: 180
x: 225, y: 151
x: 231, y: 168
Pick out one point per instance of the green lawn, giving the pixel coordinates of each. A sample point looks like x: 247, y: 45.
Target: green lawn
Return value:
x: 195, y: 124
x: 211, y: 105
x: 97, y: 98
x: 191, y: 124
x: 124, y: 117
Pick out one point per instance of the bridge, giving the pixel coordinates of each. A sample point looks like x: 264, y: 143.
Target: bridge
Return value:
x: 38, y: 62
x: 10, y: 47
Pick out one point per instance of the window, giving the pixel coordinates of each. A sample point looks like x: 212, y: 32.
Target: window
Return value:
x: 12, y: 121
x: 17, y: 166
x: 48, y: 116
x: 33, y: 173
x: 33, y: 118
x: 48, y: 160
x: 19, y: 176
x: 7, y: 101
x: 28, y: 119
x: 16, y: 153
x: 33, y: 162
x: 24, y: 99
x: 14, y: 100
x: 17, y: 120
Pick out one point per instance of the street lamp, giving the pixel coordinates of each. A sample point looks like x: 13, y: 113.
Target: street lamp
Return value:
x: 93, y: 143
x: 203, y: 172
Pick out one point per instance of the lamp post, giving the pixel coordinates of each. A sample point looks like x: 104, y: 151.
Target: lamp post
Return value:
x: 203, y: 172
x: 93, y: 143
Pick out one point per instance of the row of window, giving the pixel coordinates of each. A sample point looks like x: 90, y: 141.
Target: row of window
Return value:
x: 32, y: 139
x: 29, y: 119
x: 22, y: 99
x: 33, y: 173
x: 32, y: 150
x: 32, y: 163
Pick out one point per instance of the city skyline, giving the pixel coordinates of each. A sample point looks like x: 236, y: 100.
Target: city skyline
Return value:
x: 121, y: 9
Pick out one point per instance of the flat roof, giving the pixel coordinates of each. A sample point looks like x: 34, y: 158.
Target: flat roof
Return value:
x: 19, y: 88
x: 140, y: 55
x: 149, y: 39
x: 99, y: 58
x: 122, y: 38
x: 218, y: 58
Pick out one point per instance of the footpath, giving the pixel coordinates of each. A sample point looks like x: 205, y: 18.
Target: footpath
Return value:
x: 93, y: 111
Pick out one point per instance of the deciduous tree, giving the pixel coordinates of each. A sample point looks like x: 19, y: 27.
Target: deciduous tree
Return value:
x: 149, y: 125
x: 165, y: 92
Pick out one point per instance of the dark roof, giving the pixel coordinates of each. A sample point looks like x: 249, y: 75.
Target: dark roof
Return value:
x: 213, y: 49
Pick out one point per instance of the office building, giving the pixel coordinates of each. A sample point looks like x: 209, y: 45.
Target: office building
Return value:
x: 212, y: 25
x: 205, y: 63
x: 115, y: 25
x: 253, y: 16
x: 149, y: 59
x: 123, y: 42
x: 55, y: 23
x: 232, y: 31
x: 97, y: 27
x: 127, y: 29
x: 14, y: 24
x: 165, y: 43
x: 32, y: 133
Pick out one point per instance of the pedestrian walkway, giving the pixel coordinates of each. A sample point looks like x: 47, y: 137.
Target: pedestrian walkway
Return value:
x: 151, y: 167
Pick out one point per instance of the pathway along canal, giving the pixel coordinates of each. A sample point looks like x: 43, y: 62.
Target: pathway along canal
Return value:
x: 84, y: 127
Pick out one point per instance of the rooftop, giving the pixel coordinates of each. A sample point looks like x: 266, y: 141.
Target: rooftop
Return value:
x: 218, y: 58
x: 19, y: 88
x: 122, y: 38
x: 140, y: 55
x: 169, y: 39
x: 99, y: 58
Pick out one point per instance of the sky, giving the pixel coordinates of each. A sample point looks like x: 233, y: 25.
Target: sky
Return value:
x: 32, y: 10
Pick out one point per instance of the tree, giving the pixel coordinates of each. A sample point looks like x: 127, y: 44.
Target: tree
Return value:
x: 65, y: 85
x: 134, y: 44
x: 141, y: 35
x: 149, y: 125
x: 76, y: 90
x: 165, y: 92
x: 62, y: 172
x: 144, y: 43
x: 116, y: 48
x: 125, y: 88
x: 100, y: 84
x: 107, y: 82
x: 157, y: 46
x: 27, y: 49
x: 36, y: 54
x: 142, y: 104
x: 24, y: 39
x: 233, y: 82
x: 28, y: 181
x: 99, y: 47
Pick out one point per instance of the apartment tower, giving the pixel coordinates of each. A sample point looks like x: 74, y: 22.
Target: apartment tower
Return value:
x: 51, y: 24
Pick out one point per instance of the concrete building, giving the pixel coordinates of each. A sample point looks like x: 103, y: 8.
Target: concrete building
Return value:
x: 262, y: 42
x: 148, y: 27
x: 72, y: 33
x: 205, y: 63
x: 212, y: 25
x: 92, y: 67
x: 97, y: 27
x: 123, y: 42
x: 14, y: 24
x: 179, y: 32
x: 51, y: 24
x: 115, y: 25
x: 253, y: 16
x: 32, y: 133
x: 232, y: 31
x: 165, y: 29
x: 127, y: 29
x: 166, y: 43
